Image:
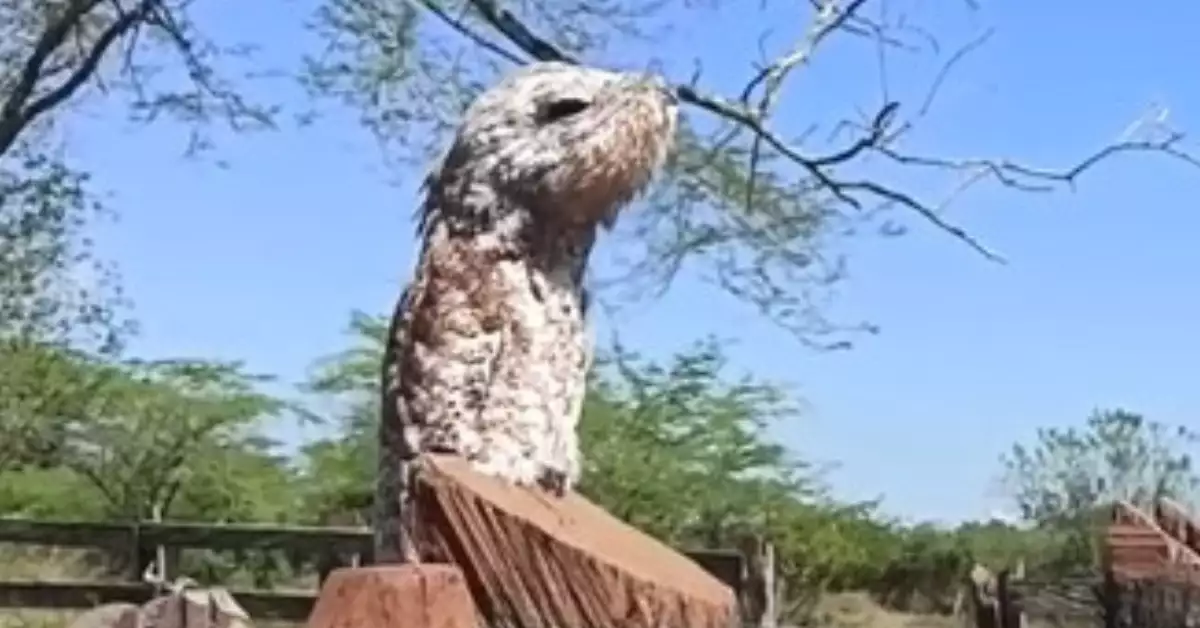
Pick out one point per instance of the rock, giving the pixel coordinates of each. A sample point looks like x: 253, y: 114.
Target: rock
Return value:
x: 183, y: 608
x: 194, y: 608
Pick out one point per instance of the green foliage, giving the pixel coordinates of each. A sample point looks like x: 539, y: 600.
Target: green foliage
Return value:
x: 52, y: 288
x: 40, y: 386
x: 1116, y: 454
x: 53, y: 493
x: 136, y: 436
x: 53, y: 57
x: 104, y: 439
x: 338, y: 472
x: 697, y: 436
x: 1064, y: 482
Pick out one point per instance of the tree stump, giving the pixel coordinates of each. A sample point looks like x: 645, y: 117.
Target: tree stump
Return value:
x: 537, y: 561
x: 394, y: 596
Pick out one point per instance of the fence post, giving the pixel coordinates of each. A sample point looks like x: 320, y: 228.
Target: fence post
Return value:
x: 1007, y: 610
x: 417, y: 596
x: 166, y: 558
x: 134, y: 569
x: 327, y: 563
x: 770, y: 589
x: 983, y: 601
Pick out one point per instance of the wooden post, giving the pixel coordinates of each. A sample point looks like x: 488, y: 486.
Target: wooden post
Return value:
x: 770, y: 617
x: 386, y: 596
x: 1008, y: 614
x: 1002, y: 599
x: 166, y: 558
x: 134, y: 553
x: 327, y: 563
x: 984, y: 601
x: 1019, y: 609
x: 1110, y: 598
x: 160, y: 553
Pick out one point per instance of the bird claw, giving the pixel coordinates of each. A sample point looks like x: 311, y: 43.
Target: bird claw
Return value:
x: 553, y: 482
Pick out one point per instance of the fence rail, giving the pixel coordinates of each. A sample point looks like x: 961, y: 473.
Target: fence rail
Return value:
x: 1099, y: 600
x: 185, y: 535
x: 330, y: 545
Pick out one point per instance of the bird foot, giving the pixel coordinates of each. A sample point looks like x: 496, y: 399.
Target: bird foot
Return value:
x: 553, y: 482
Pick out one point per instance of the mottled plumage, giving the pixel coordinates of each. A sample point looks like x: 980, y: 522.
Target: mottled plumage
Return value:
x: 489, y: 349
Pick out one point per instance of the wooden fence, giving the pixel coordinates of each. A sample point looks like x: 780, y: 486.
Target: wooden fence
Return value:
x: 1101, y: 600
x: 329, y: 547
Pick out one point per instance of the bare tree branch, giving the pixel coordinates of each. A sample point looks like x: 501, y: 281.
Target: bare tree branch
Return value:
x: 829, y: 19
x: 71, y: 45
x: 17, y: 113
x: 877, y: 137
x: 772, y: 77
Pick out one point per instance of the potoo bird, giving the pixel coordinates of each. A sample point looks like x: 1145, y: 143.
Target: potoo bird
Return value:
x: 489, y: 350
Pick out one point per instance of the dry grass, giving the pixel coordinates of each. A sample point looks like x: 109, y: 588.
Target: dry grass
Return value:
x: 858, y: 610
x: 21, y: 618
x: 22, y: 562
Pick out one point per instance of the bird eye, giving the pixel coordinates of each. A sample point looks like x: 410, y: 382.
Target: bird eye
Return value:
x: 557, y: 110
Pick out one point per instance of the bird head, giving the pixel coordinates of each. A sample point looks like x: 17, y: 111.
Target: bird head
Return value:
x: 569, y: 144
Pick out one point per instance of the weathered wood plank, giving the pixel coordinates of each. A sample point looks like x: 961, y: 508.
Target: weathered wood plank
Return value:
x: 66, y: 533
x: 261, y: 605
x: 253, y: 536
x: 1178, y: 522
x: 557, y: 562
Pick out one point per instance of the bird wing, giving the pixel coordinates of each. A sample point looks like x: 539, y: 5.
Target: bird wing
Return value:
x: 444, y: 343
x: 454, y: 336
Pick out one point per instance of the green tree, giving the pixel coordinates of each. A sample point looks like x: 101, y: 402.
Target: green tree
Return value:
x: 752, y: 200
x: 93, y: 438
x: 63, y: 315
x: 717, y: 474
x: 1116, y: 455
x: 180, y: 437
x: 56, y: 56
x: 160, y: 434
x: 52, y: 287
x: 338, y: 472
x: 1068, y: 477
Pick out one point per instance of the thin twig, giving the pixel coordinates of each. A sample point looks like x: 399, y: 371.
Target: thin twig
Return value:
x: 829, y: 18
x: 466, y: 31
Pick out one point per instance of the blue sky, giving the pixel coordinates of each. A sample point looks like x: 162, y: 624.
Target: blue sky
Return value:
x: 264, y: 261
